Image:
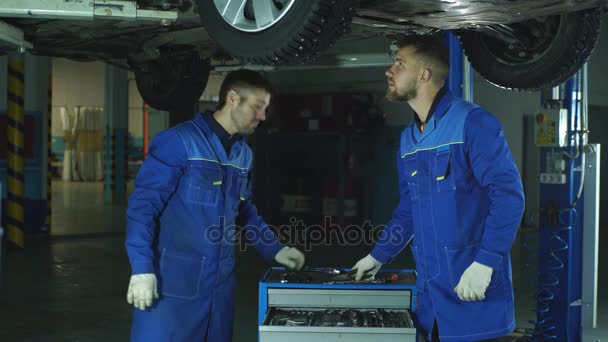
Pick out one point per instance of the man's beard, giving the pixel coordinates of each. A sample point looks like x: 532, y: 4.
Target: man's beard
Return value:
x: 241, y: 126
x: 395, y: 96
x: 244, y: 128
x: 247, y: 131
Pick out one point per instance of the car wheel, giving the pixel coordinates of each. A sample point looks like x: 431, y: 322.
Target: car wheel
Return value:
x: 172, y: 83
x: 536, y: 54
x: 275, y: 31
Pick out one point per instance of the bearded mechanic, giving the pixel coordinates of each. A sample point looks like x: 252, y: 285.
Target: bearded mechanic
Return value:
x: 461, y: 202
x: 180, y: 219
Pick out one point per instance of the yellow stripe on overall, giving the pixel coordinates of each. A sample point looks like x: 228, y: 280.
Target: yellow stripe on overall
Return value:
x: 15, y: 171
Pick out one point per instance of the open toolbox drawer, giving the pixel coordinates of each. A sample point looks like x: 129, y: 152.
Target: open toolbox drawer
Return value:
x: 298, y: 312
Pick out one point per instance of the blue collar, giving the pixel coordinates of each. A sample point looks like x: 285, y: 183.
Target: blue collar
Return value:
x: 214, y: 133
x: 441, y: 104
x: 225, y: 138
x: 434, y: 105
x: 444, y: 104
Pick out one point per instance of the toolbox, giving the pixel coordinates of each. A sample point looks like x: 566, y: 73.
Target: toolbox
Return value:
x: 326, y: 304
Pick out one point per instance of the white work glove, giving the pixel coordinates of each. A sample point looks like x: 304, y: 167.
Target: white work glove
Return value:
x: 474, y: 282
x: 142, y: 290
x: 368, y: 266
x: 291, y: 258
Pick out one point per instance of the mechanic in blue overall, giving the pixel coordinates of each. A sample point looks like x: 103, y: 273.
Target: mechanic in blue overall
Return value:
x: 181, y: 220
x: 461, y: 202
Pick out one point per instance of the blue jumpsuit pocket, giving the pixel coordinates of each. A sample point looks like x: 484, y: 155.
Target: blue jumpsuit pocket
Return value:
x: 244, y: 191
x: 180, y: 274
x: 458, y: 260
x: 442, y: 172
x: 204, y: 185
x: 411, y: 175
x: 420, y: 275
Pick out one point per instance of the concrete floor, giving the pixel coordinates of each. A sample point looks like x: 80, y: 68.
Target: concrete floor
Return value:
x: 80, y: 209
x: 73, y: 288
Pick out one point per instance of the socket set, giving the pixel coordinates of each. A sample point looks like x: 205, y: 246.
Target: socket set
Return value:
x: 369, y: 318
x: 330, y: 305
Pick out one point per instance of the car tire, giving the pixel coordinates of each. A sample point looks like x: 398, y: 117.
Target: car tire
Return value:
x: 167, y: 84
x: 307, y: 28
x: 568, y: 47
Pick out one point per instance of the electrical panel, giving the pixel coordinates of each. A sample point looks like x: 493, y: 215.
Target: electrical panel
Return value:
x: 551, y: 127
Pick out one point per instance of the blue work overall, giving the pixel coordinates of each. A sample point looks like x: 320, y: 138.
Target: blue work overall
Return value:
x: 461, y: 200
x: 180, y: 226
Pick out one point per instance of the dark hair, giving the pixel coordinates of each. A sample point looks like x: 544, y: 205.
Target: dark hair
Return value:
x: 244, y: 79
x: 431, y: 50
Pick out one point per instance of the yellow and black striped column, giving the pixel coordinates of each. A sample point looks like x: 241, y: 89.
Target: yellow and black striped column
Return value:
x: 49, y: 154
x: 119, y: 165
x: 125, y: 160
x: 108, y: 161
x: 116, y: 107
x: 113, y: 167
x: 15, y: 171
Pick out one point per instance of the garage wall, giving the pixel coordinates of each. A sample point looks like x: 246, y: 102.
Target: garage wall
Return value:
x: 598, y: 69
x: 370, y: 80
x: 74, y: 84
x: 212, y: 90
x: 82, y: 84
x: 598, y: 125
x: 136, y: 113
x: 77, y: 83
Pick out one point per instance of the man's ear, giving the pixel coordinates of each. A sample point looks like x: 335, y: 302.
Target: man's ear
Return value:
x: 426, y: 74
x: 233, y: 97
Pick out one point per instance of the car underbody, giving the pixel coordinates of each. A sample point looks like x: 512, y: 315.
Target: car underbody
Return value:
x: 515, y: 44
